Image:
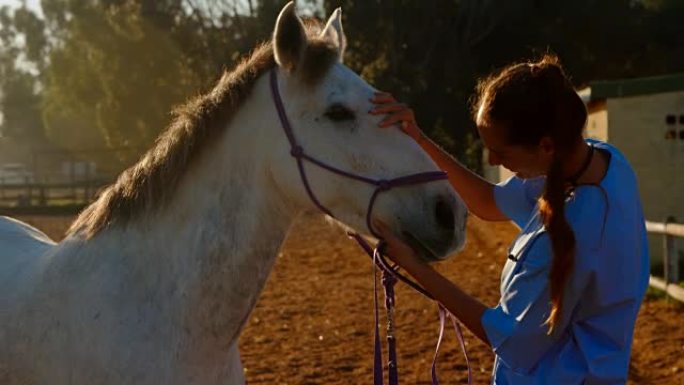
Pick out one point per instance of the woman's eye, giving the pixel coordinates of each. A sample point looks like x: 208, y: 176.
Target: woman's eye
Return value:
x: 339, y: 113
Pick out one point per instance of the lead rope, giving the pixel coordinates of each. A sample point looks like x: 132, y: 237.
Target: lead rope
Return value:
x: 390, y: 275
x: 388, y: 281
x: 443, y: 314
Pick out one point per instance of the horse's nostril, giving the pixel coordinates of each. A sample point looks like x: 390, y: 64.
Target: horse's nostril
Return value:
x: 445, y: 215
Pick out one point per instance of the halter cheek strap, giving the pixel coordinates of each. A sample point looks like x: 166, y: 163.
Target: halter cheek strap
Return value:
x: 390, y: 273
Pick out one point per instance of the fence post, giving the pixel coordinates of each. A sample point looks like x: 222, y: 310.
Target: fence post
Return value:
x: 29, y: 191
x: 42, y: 197
x: 670, y: 256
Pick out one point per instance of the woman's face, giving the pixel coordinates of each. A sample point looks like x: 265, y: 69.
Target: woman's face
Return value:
x: 524, y: 161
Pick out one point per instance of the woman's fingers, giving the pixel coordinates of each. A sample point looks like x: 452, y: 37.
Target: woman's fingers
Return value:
x: 396, y: 249
x: 382, y: 98
x: 381, y: 228
x: 403, y: 116
x: 386, y: 108
x: 397, y: 113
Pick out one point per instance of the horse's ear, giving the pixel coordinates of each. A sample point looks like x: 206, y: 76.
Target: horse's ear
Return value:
x: 289, y: 38
x: 333, y: 32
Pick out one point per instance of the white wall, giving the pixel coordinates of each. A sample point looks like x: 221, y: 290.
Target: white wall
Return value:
x: 637, y: 127
x: 597, y: 125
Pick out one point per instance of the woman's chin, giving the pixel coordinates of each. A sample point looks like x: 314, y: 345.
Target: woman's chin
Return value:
x: 526, y: 175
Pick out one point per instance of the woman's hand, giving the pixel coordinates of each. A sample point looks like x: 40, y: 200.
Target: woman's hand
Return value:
x: 397, y: 113
x: 466, y: 308
x: 397, y: 250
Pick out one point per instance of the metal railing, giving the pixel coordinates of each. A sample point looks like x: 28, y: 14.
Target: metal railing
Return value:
x: 670, y: 282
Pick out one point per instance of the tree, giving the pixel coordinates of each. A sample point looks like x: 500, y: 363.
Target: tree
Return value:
x: 112, y: 78
x: 21, y: 62
x: 121, y: 66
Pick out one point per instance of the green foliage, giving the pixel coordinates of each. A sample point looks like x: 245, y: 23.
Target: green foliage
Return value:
x: 114, y: 77
x: 19, y: 94
x: 21, y: 107
x: 121, y: 66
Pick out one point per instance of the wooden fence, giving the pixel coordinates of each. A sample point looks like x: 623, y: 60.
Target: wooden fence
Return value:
x: 670, y: 282
x: 47, y: 198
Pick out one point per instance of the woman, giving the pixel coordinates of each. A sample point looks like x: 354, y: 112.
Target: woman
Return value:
x: 576, y: 275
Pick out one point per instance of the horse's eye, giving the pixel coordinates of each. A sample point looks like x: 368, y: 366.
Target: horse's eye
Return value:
x: 339, y: 113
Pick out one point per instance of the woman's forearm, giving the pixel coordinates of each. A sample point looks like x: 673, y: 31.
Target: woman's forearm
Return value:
x: 477, y: 193
x: 465, y: 307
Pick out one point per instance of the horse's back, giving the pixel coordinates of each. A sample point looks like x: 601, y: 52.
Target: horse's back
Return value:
x: 19, y: 238
x: 20, y: 245
x: 11, y: 228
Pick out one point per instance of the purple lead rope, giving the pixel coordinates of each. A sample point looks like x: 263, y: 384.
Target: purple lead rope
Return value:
x: 389, y: 274
x: 389, y: 278
x: 443, y: 314
x: 388, y: 282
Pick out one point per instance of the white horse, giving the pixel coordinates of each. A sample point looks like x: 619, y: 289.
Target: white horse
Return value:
x: 157, y: 278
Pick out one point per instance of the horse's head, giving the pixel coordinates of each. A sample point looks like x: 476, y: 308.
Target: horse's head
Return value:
x: 327, y: 106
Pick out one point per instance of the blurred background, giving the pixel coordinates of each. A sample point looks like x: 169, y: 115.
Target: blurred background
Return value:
x: 83, y: 75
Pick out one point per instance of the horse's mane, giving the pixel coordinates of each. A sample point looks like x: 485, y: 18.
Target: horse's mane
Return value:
x: 151, y: 181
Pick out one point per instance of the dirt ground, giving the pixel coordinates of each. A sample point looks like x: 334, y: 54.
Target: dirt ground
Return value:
x: 314, y: 325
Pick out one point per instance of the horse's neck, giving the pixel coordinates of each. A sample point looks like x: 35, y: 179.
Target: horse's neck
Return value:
x: 212, y: 247
x: 230, y: 261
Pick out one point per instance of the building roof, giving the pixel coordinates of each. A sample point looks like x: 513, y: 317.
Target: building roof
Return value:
x: 603, y: 89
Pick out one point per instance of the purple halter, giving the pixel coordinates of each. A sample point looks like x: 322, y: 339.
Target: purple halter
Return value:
x: 389, y: 272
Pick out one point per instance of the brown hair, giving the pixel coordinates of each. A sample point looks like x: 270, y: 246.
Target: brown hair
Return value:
x: 533, y: 100
x: 149, y: 183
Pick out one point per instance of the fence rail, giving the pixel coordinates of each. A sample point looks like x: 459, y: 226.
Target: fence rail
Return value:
x: 670, y: 282
x: 669, y: 228
x: 48, y: 198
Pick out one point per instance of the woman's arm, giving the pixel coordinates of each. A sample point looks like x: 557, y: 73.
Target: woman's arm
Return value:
x: 465, y: 307
x: 477, y: 193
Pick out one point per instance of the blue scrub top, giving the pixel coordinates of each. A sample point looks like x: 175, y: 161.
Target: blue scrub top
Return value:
x: 593, y: 339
